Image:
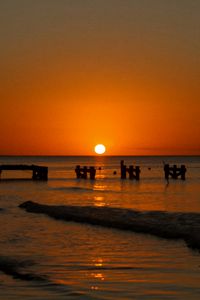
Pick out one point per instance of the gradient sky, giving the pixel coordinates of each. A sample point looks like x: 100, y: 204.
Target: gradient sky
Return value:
x: 74, y: 73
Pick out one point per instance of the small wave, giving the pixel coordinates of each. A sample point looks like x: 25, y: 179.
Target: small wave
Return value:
x: 104, y: 268
x: 71, y: 188
x: 170, y: 225
x: 83, y: 189
x: 15, y: 268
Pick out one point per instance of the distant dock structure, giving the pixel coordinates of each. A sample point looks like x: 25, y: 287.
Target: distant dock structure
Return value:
x: 174, y: 172
x: 133, y: 172
x: 38, y: 172
x: 82, y: 172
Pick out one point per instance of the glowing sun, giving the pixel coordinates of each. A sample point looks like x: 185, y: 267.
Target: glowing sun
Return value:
x: 100, y: 149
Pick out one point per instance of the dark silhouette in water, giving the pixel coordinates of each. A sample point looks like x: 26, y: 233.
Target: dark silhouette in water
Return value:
x: 13, y: 268
x: 174, y: 172
x: 134, y: 172
x: 82, y: 172
x: 39, y: 172
x: 170, y: 225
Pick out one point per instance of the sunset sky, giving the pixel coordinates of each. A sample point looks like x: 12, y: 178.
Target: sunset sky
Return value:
x: 124, y: 73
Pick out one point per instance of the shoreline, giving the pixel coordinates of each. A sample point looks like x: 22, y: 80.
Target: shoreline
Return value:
x: 168, y: 225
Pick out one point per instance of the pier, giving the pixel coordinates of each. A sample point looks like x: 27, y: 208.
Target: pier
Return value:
x: 174, y: 172
x: 39, y: 172
x: 133, y: 172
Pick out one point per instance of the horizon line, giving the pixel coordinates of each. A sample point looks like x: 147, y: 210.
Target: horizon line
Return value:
x: 93, y: 155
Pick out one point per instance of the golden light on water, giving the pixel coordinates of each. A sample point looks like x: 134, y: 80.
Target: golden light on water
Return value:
x: 100, y: 149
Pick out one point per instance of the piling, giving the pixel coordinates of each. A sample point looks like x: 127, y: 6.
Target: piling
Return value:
x: 174, y: 172
x: 82, y: 172
x: 134, y: 172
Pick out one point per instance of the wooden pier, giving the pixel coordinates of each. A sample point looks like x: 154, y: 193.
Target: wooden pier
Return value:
x: 134, y: 172
x: 82, y: 172
x: 39, y: 172
x: 174, y: 172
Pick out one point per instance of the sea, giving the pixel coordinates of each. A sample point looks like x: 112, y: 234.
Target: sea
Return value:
x: 44, y: 258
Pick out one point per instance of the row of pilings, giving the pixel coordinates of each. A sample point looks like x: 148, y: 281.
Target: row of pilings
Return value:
x: 132, y: 172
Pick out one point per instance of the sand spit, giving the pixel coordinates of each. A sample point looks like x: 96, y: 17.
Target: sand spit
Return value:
x: 170, y: 225
x: 15, y: 268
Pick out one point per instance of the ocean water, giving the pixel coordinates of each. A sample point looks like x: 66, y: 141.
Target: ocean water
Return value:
x: 43, y: 258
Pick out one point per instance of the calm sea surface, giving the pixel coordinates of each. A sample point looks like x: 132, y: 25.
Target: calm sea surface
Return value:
x: 66, y: 260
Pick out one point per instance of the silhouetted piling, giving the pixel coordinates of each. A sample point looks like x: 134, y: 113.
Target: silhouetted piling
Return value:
x: 134, y: 172
x: 82, y: 172
x: 123, y: 170
x: 174, y: 172
x: 92, y: 172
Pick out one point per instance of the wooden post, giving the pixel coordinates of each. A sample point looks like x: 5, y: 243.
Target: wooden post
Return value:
x: 92, y: 173
x: 137, y: 172
x: 85, y: 172
x: 174, y: 170
x: 44, y: 173
x: 123, y: 170
x: 183, y: 171
x: 40, y: 173
x: 130, y: 171
x: 78, y: 171
x: 35, y: 175
x: 166, y: 170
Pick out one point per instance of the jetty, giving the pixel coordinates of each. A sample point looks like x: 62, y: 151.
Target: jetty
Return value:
x: 38, y: 172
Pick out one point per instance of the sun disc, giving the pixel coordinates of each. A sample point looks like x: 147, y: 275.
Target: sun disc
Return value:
x: 100, y: 149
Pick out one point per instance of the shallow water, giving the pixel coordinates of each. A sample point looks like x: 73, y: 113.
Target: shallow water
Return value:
x: 78, y: 261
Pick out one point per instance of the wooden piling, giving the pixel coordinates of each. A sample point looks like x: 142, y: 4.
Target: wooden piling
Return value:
x: 78, y: 171
x: 92, y: 173
x: 183, y: 171
x: 82, y: 172
x: 123, y: 170
x: 134, y: 172
x: 174, y: 172
x: 137, y: 172
x: 130, y: 171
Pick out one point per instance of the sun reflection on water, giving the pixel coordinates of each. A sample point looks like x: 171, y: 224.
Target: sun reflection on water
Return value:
x: 98, y: 262
x: 97, y: 275
x: 99, y: 201
x: 99, y: 187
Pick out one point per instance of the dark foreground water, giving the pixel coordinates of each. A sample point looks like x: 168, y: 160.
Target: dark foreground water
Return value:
x: 43, y: 258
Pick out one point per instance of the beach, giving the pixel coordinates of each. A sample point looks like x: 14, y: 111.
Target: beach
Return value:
x: 43, y: 257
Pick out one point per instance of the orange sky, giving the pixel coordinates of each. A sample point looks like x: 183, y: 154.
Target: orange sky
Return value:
x: 122, y: 73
